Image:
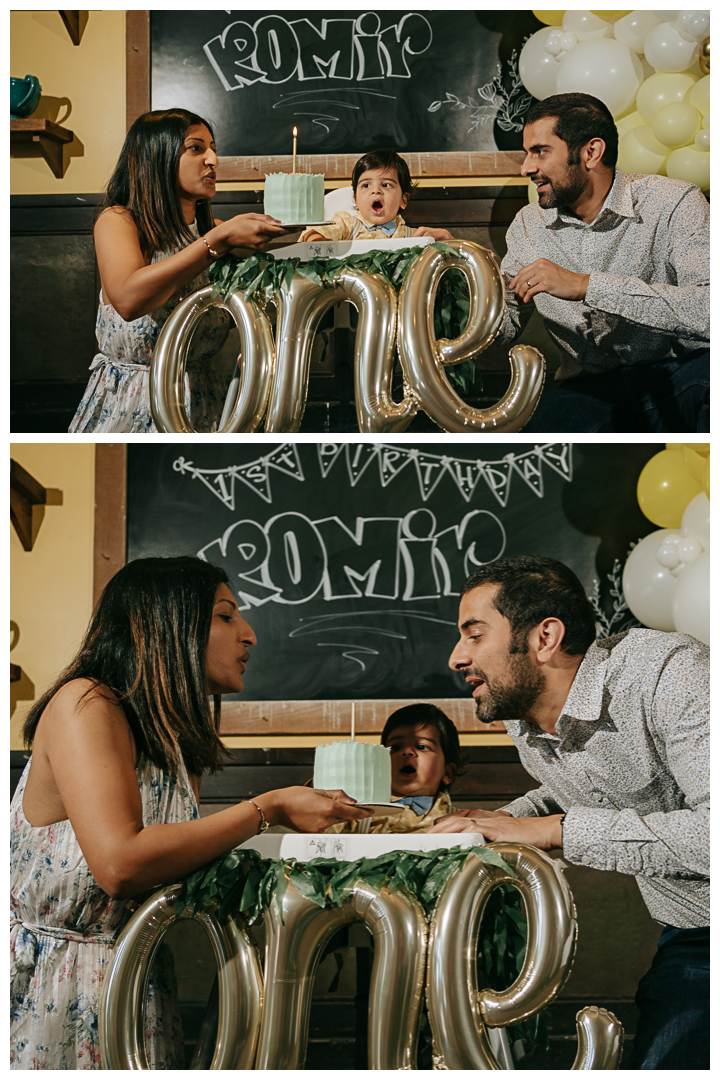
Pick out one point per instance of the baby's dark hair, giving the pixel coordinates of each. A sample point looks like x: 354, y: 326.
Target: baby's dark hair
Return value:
x: 383, y: 159
x: 423, y: 713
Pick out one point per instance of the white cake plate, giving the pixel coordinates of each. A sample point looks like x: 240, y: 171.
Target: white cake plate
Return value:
x: 304, y: 224
x: 383, y: 807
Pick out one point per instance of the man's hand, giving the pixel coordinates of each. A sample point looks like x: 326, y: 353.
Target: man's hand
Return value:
x: 545, y: 276
x: 539, y: 832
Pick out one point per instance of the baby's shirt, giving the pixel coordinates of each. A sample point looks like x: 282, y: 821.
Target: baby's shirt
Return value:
x: 406, y: 822
x: 347, y: 226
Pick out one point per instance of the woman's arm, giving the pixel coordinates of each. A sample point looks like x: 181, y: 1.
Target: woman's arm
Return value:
x: 87, y: 745
x: 134, y: 288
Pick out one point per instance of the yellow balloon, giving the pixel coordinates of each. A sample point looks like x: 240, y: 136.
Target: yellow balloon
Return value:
x: 706, y: 477
x: 532, y: 192
x: 610, y: 15
x: 694, y: 463
x: 628, y: 122
x: 699, y: 96
x: 689, y: 163
x: 665, y: 488
x: 661, y: 89
x: 640, y: 152
x: 702, y: 448
x: 550, y: 18
x: 676, y: 124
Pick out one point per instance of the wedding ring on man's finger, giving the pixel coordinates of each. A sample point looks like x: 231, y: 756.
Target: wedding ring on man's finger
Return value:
x: 530, y: 284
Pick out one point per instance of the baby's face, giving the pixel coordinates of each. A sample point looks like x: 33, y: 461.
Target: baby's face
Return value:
x: 379, y: 197
x: 418, y: 763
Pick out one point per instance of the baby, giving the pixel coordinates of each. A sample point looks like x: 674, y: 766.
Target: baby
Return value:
x: 424, y: 756
x: 381, y: 187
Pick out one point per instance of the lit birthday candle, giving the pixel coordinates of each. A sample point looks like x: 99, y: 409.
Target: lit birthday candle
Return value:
x: 294, y: 147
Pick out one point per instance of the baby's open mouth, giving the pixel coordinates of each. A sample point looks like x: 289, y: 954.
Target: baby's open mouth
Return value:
x: 377, y: 206
x: 408, y: 770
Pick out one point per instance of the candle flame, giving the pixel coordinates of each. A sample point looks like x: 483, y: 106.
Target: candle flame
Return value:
x: 294, y: 132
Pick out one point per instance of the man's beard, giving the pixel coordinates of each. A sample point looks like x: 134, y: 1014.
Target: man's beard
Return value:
x: 565, y: 192
x: 512, y: 697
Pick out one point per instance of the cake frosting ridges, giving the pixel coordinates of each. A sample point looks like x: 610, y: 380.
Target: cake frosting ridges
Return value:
x: 361, y: 770
x: 296, y: 198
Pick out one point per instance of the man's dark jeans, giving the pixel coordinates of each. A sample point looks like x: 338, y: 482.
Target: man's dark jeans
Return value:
x: 674, y: 1001
x: 665, y: 397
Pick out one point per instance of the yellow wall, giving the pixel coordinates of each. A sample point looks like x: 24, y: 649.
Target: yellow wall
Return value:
x: 51, y: 586
x: 90, y: 79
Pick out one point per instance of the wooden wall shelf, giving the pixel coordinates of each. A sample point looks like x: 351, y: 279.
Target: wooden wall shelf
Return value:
x: 25, y: 492
x: 49, y: 136
x: 72, y: 24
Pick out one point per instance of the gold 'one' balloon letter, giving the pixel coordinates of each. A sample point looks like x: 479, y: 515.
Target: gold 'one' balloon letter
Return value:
x: 273, y: 377
x: 262, y: 1023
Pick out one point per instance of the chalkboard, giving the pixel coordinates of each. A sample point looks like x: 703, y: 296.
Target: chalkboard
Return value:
x: 351, y: 81
x: 347, y: 559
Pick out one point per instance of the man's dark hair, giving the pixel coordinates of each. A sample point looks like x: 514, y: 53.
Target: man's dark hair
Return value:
x: 578, y: 119
x: 536, y: 587
x: 383, y: 159
x: 421, y: 714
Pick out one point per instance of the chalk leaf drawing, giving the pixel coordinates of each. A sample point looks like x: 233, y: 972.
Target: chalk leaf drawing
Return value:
x: 503, y: 101
x: 620, y: 617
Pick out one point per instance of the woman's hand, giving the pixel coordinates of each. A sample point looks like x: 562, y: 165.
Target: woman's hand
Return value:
x: 308, y: 809
x: 468, y: 820
x: 245, y: 231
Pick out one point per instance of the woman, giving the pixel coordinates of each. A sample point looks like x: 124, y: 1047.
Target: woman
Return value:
x: 107, y: 807
x: 154, y: 240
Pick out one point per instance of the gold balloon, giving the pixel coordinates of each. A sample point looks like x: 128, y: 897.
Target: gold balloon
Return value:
x: 300, y: 309
x: 704, y: 59
x: 459, y: 1011
x: 296, y: 933
x: 253, y: 1023
x: 122, y: 1005
x: 665, y: 488
x: 247, y: 397
x: 424, y: 358
x: 600, y: 1039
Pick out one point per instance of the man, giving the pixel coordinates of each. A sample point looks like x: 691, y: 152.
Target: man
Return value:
x: 618, y: 267
x: 617, y: 733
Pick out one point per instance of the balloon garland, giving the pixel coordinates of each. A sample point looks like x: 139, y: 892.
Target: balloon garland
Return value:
x: 666, y: 580
x: 652, y: 70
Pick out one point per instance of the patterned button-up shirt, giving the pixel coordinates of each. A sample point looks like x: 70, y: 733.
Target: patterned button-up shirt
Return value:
x: 348, y: 226
x: 648, y: 256
x: 630, y: 767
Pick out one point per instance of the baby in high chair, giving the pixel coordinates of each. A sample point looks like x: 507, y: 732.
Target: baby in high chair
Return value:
x: 424, y: 757
x: 381, y: 186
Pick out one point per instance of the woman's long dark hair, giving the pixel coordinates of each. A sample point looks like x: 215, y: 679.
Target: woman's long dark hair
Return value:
x: 147, y: 642
x: 145, y: 180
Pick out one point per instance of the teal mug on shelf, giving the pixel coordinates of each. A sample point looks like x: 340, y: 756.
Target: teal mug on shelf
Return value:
x: 24, y: 96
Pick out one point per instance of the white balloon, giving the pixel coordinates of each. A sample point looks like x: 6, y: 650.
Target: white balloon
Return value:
x: 569, y: 41
x: 632, y: 29
x: 688, y: 549
x: 668, y: 554
x: 553, y: 42
x: 538, y: 69
x: 605, y: 68
x: 586, y: 25
x: 649, y: 587
x: 691, y: 602
x: 696, y: 520
x: 667, y: 50
x: 702, y: 140
x: 693, y: 25
x: 667, y: 16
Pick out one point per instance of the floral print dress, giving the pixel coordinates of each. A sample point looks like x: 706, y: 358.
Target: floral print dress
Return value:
x: 63, y: 929
x: 117, y: 397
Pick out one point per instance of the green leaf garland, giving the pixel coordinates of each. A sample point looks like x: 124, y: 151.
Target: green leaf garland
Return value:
x: 261, y: 276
